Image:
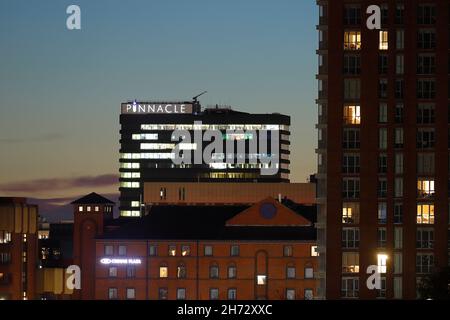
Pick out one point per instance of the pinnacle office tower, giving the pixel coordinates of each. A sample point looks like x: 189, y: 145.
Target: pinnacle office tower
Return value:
x: 383, y: 149
x: 147, y: 148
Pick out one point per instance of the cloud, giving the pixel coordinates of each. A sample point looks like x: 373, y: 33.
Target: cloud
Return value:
x: 42, y: 138
x: 58, y: 184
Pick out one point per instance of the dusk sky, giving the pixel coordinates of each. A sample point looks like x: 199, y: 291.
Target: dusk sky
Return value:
x: 60, y: 90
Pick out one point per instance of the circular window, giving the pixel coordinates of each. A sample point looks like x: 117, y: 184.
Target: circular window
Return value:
x: 268, y: 210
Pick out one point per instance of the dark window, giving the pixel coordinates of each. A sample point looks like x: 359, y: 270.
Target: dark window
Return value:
x: 425, y: 113
x: 426, y: 39
x: 399, y: 13
x: 163, y: 293
x: 383, y: 63
x: 425, y: 138
x: 426, y: 89
x: 383, y: 88
x: 350, y: 163
x: 382, y: 163
x: 234, y: 250
x: 399, y: 113
x: 426, y: 14
x: 214, y: 271
x: 399, y: 89
x: 351, y: 138
x: 426, y: 63
x: 398, y: 213
x: 382, y: 188
x: 352, y: 64
x: 131, y: 271
x: 352, y: 15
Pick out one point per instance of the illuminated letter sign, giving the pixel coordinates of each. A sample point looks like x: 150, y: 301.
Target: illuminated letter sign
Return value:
x: 155, y: 108
x: 120, y: 261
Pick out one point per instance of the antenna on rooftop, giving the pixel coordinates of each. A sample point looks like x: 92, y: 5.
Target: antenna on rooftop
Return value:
x: 196, y: 104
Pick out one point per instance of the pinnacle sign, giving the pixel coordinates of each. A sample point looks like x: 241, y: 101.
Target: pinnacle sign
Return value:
x: 156, y: 108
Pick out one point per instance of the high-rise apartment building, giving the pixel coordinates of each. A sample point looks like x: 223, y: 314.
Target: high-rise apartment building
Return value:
x: 383, y: 149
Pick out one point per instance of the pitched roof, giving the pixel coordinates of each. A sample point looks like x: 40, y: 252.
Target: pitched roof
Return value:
x: 92, y: 198
x: 205, y: 223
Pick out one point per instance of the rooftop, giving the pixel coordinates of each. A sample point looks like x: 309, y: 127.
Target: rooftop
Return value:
x: 209, y: 223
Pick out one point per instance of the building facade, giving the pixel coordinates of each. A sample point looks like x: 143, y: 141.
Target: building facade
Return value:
x: 229, y: 193
x: 383, y: 149
x: 148, y: 141
x: 266, y: 251
x: 18, y: 249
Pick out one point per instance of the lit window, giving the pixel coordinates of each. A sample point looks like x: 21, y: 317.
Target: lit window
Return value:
x: 350, y: 262
x: 88, y: 208
x: 181, y: 271
x: 350, y: 212
x: 352, y: 114
x: 290, y: 294
x: 261, y: 280
x: 309, y: 273
x: 163, y: 272
x: 145, y: 136
x: 157, y: 146
x: 112, y: 293
x: 129, y: 175
x: 129, y: 184
x: 185, y: 251
x: 208, y: 251
x: 5, y: 237
x: 80, y: 208
x: 131, y: 293
x: 135, y: 204
x: 96, y: 208
x: 425, y: 213
x: 425, y: 188
x: 172, y: 251
x: 384, y: 41
x: 113, y: 271
x: 382, y: 263
x: 352, y: 40
x: 287, y: 251
x: 314, y: 252
x: 130, y: 213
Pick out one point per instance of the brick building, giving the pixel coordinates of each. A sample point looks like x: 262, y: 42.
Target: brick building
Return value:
x: 18, y: 249
x: 383, y: 149
x: 263, y: 251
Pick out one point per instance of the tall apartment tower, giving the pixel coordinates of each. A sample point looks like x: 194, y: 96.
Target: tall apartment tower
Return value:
x: 383, y: 149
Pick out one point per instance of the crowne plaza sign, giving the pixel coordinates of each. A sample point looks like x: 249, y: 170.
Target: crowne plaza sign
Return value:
x: 156, y: 108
